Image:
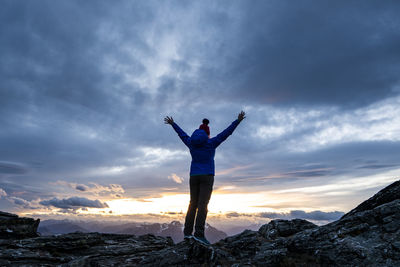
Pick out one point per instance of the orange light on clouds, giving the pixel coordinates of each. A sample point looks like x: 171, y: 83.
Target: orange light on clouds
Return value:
x: 219, y: 203
x: 336, y: 196
x: 167, y: 203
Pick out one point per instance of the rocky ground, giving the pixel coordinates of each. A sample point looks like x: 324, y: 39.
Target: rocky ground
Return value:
x: 369, y: 235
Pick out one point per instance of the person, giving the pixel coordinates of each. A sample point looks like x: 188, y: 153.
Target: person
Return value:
x: 202, y: 171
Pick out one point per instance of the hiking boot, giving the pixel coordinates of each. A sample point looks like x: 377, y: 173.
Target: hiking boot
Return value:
x: 187, y: 237
x: 202, y: 240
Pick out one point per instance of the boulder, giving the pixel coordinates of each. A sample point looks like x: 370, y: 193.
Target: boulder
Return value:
x: 284, y: 228
x: 12, y: 226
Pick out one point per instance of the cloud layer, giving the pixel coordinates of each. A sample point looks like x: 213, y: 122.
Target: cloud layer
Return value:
x: 316, y: 215
x: 85, y: 87
x: 74, y: 203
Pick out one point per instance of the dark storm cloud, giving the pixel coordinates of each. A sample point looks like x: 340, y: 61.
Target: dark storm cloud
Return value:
x: 73, y: 203
x: 55, y: 61
x: 314, y: 52
x: 84, y: 87
x: 278, y: 52
x: 56, y: 52
x: 61, y: 94
x: 58, y: 55
x: 53, y: 80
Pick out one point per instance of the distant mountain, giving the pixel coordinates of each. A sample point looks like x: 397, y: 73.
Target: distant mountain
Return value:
x: 173, y: 229
x: 233, y: 230
x: 52, y: 227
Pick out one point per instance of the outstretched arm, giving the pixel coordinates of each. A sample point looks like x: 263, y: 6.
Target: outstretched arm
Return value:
x: 184, y: 137
x: 216, y: 141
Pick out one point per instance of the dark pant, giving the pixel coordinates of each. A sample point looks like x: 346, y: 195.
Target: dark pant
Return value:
x: 200, y: 192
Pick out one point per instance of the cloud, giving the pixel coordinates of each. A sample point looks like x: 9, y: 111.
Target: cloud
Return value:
x: 73, y: 203
x: 377, y: 166
x: 81, y: 187
x: 316, y: 215
x: 7, y: 167
x: 309, y: 53
x: 237, y: 214
x: 17, y: 200
x: 174, y: 177
x: 2, y: 193
x: 99, y: 189
x: 94, y: 188
x: 22, y: 202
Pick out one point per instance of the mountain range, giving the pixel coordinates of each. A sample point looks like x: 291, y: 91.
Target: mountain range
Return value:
x: 173, y: 229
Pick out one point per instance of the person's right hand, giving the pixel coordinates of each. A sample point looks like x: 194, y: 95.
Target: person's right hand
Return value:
x: 168, y: 120
x: 241, y: 116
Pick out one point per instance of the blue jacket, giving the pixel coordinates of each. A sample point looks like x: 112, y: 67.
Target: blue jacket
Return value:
x: 203, y: 148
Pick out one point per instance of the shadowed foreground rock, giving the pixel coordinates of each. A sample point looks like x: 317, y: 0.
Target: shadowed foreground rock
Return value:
x: 12, y: 226
x: 369, y: 235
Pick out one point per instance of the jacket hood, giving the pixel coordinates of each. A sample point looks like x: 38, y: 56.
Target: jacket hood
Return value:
x: 198, y: 138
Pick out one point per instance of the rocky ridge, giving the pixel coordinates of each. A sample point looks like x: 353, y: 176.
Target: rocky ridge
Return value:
x: 369, y: 235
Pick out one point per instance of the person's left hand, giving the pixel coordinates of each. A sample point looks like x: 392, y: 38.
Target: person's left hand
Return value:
x: 241, y: 116
x: 168, y: 120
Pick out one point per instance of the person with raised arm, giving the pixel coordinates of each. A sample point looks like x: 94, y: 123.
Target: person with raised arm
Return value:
x: 202, y: 171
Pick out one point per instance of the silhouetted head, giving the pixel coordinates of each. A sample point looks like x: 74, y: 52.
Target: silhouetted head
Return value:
x: 206, y: 121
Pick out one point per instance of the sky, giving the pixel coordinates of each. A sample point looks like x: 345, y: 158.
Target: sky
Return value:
x: 85, y: 85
